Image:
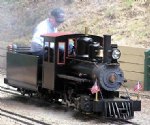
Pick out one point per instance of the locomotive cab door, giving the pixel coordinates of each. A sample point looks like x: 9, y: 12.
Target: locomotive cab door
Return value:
x: 48, y: 65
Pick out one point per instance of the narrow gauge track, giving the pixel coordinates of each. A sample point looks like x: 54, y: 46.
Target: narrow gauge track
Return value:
x: 20, y: 118
x: 35, y: 99
x: 111, y: 120
x: 9, y: 91
x: 30, y: 121
x: 25, y: 120
x: 121, y: 121
x: 8, y: 88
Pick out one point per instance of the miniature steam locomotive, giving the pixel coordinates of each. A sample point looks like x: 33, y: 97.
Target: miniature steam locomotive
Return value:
x: 81, y: 70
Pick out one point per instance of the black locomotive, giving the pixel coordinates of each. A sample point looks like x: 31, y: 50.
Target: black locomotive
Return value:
x: 81, y: 70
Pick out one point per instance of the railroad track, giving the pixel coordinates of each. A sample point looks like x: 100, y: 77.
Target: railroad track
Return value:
x: 10, y: 91
x: 122, y: 121
x: 100, y: 119
x: 20, y: 118
x: 19, y: 97
x: 30, y: 121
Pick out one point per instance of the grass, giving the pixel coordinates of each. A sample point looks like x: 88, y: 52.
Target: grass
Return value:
x: 129, y: 3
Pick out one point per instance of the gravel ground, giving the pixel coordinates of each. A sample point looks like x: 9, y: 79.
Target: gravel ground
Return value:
x: 55, y: 114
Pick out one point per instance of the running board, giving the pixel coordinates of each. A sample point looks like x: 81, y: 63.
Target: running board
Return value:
x: 72, y: 78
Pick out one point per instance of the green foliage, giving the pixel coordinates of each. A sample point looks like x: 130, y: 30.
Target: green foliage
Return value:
x: 129, y: 3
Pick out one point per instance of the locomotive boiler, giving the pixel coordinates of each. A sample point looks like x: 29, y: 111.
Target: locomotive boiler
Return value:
x: 80, y: 70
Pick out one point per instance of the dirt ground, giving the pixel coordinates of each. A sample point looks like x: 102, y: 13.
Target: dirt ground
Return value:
x: 50, y: 114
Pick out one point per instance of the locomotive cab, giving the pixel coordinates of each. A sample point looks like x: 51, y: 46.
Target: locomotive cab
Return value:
x: 66, y: 49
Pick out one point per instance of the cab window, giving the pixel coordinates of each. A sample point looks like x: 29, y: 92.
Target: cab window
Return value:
x: 71, y: 47
x: 61, y: 53
x: 49, y: 51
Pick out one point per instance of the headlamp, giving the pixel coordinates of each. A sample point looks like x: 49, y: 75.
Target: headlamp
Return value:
x: 116, y: 54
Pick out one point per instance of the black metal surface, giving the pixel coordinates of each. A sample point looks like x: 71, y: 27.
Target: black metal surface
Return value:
x: 116, y: 109
x: 86, y: 104
x: 73, y: 78
x: 5, y: 80
x: 119, y: 109
x: 98, y: 106
x: 137, y: 105
x: 94, y: 51
x: 22, y: 70
x: 107, y: 49
x: 83, y: 46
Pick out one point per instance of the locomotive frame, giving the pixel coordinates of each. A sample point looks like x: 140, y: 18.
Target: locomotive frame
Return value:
x: 68, y: 69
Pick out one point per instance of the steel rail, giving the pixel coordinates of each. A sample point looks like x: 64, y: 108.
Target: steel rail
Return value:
x: 17, y: 117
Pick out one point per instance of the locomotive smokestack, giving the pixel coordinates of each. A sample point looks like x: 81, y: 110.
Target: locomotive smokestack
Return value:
x: 107, y: 48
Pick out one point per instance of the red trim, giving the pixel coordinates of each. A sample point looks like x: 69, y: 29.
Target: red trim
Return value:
x: 75, y: 44
x: 56, y: 34
x: 58, y: 53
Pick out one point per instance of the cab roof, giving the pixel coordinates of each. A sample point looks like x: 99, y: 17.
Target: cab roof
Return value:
x: 56, y: 34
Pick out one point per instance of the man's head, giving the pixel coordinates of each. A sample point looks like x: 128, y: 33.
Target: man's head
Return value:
x: 58, y: 14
